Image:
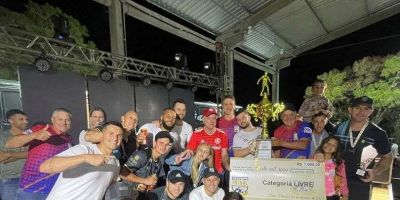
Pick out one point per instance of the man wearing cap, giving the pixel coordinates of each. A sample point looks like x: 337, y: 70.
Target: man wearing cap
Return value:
x: 356, y: 134
x: 292, y: 138
x: 12, y: 159
x: 144, y: 167
x: 209, y: 190
x: 214, y: 137
x: 173, y: 190
x: 244, y: 142
x: 86, y: 170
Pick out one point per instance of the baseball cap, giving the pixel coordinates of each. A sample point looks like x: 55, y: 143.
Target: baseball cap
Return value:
x: 176, y: 176
x: 210, y: 172
x: 164, y: 134
x: 209, y: 111
x: 361, y: 100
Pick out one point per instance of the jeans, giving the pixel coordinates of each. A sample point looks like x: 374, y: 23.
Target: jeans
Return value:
x: 21, y: 195
x: 8, y: 188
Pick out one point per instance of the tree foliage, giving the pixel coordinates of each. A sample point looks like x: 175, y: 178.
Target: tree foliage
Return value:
x: 376, y: 77
x: 37, y: 19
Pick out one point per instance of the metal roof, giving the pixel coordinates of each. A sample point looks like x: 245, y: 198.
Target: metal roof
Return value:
x: 279, y: 28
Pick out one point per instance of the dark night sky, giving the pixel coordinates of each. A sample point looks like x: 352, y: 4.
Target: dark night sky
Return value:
x: 149, y: 43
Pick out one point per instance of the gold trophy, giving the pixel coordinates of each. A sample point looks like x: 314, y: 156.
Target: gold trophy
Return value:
x: 264, y: 111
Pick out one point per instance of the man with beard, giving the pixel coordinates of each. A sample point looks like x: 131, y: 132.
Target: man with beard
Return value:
x: 319, y: 122
x: 244, y: 142
x: 355, y: 135
x: 182, y: 128
x: 166, y: 123
x: 12, y: 159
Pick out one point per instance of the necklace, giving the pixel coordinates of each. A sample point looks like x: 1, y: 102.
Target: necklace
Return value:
x: 354, y: 143
x: 314, y: 140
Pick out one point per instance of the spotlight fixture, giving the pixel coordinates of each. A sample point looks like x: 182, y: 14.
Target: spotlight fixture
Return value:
x: 42, y: 63
x: 208, y: 68
x: 106, y: 75
x: 194, y: 88
x: 180, y: 61
x: 169, y: 85
x: 146, y: 81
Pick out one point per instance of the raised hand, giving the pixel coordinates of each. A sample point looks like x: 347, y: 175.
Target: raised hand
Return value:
x: 150, y: 180
x: 43, y: 134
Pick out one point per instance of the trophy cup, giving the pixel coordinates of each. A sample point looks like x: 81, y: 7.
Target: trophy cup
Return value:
x: 264, y: 111
x: 367, y: 156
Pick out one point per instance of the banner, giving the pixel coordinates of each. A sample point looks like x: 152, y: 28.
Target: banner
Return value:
x: 278, y: 179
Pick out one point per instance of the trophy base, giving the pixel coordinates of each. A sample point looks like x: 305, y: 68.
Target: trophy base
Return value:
x: 264, y: 149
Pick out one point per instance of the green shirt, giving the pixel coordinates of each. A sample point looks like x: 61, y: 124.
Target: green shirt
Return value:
x: 11, y: 169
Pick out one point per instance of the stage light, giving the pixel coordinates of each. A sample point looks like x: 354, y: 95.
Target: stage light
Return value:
x: 146, y: 81
x: 169, y: 85
x: 208, y: 68
x: 180, y: 61
x: 106, y: 75
x: 194, y: 88
x: 42, y: 64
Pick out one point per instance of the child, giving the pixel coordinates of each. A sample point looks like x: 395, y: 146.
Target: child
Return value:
x: 335, y: 174
x: 193, y: 167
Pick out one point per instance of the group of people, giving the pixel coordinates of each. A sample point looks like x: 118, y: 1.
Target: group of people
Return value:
x: 166, y: 159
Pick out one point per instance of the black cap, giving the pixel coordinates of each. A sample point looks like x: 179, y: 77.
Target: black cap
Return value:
x: 210, y: 172
x: 13, y: 112
x: 176, y: 176
x: 289, y: 106
x: 241, y: 110
x: 164, y: 134
x: 361, y: 100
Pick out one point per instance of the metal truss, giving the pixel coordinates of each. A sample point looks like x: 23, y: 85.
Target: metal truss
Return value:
x: 27, y: 44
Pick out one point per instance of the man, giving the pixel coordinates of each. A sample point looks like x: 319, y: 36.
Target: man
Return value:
x: 86, y: 170
x: 12, y: 159
x: 173, y: 190
x: 244, y: 142
x: 316, y: 103
x: 144, y: 167
x: 44, y: 142
x: 182, y: 128
x: 209, y: 190
x: 292, y: 138
x: 166, y: 123
x: 319, y: 122
x: 97, y: 116
x: 227, y: 123
x: 355, y: 135
x: 214, y: 137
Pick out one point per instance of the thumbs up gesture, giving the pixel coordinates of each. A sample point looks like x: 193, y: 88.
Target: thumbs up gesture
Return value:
x: 43, y: 134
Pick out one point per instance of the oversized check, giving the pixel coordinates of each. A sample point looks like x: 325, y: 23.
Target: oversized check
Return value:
x: 278, y: 178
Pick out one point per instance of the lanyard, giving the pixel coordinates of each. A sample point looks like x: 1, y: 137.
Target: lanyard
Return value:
x: 354, y: 143
x: 314, y: 140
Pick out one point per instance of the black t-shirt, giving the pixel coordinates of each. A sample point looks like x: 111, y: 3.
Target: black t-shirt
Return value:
x: 372, y: 135
x: 127, y: 148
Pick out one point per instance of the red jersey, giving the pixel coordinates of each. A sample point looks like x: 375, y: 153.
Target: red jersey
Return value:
x: 218, y: 141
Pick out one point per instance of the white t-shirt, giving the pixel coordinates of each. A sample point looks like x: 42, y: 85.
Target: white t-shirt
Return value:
x: 82, y: 137
x: 185, y: 132
x: 199, y: 194
x: 242, y: 139
x: 153, y: 129
x: 84, y: 181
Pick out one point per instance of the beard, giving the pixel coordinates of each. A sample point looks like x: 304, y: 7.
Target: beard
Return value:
x: 244, y: 126
x: 166, y: 127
